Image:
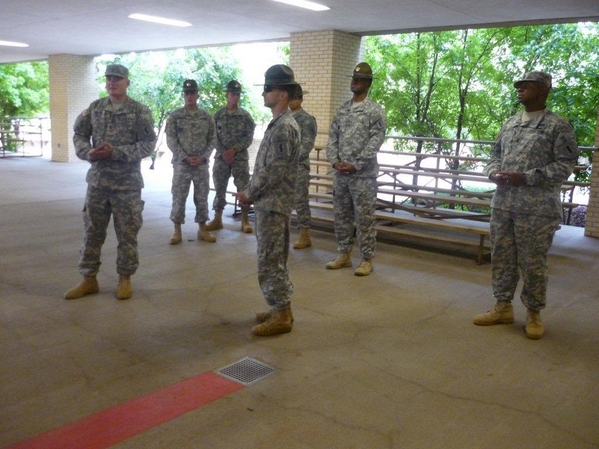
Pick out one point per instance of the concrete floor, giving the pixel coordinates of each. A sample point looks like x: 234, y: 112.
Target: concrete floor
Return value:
x: 387, y: 361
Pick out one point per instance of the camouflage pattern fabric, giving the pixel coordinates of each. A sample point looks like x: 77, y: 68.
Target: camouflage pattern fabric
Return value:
x: 130, y: 129
x: 272, y: 189
x: 308, y: 130
x: 114, y: 185
x: 355, y: 136
x: 354, y: 201
x: 233, y: 130
x: 524, y: 218
x: 183, y: 177
x: 534, y: 234
x: 126, y: 207
x: 190, y: 133
x: 545, y: 150
x: 272, y: 235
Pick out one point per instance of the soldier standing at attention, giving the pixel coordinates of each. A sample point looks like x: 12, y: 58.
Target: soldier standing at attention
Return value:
x: 355, y: 137
x: 308, y: 129
x: 190, y: 135
x: 272, y: 189
x: 534, y: 154
x: 114, y: 134
x: 234, y: 132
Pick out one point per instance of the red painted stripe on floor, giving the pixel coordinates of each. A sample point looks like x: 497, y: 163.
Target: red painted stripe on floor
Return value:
x: 118, y: 423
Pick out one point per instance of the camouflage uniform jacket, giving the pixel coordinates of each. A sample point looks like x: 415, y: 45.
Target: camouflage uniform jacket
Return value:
x: 356, y: 135
x: 545, y: 150
x: 234, y: 130
x: 190, y: 133
x: 272, y: 186
x: 130, y: 129
x: 308, y: 129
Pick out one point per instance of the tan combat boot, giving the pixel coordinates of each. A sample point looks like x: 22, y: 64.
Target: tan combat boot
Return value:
x: 534, y: 325
x: 501, y: 313
x: 124, y: 289
x: 365, y: 268
x: 278, y: 323
x: 176, y: 238
x: 245, y: 222
x: 344, y: 260
x: 216, y: 223
x: 204, y: 234
x: 87, y: 286
x: 303, y: 240
x: 262, y: 317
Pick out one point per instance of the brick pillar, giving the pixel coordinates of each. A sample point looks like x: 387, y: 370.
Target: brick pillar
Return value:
x: 72, y: 88
x: 323, y: 62
x: 592, y: 217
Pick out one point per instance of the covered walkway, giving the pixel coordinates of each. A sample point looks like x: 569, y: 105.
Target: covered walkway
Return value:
x: 387, y: 361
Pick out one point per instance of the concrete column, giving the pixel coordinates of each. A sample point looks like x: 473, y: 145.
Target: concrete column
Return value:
x: 592, y: 217
x: 72, y: 88
x: 323, y: 62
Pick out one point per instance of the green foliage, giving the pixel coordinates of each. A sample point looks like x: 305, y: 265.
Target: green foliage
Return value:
x: 24, y: 90
x: 459, y: 84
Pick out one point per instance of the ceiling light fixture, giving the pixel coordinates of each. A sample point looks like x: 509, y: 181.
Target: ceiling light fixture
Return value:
x: 161, y: 20
x: 305, y: 4
x: 13, y: 44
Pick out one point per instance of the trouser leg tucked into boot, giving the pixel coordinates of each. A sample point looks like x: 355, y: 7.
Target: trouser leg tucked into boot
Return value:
x: 365, y: 268
x: 245, y: 221
x: 280, y: 322
x: 124, y: 289
x: 204, y: 234
x: 501, y: 313
x: 87, y: 286
x: 534, y: 325
x: 216, y: 223
x: 344, y: 260
x: 262, y: 317
x: 303, y: 240
x: 176, y: 238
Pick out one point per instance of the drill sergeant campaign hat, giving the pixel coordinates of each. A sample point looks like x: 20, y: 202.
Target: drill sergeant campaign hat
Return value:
x: 537, y: 77
x: 190, y: 86
x: 234, y: 86
x: 363, y: 70
x: 117, y: 70
x: 299, y: 92
x: 279, y: 75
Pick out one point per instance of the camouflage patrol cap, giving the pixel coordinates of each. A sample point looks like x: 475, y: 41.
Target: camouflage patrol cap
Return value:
x: 234, y: 86
x: 536, y: 76
x: 190, y: 86
x: 363, y: 70
x: 117, y: 70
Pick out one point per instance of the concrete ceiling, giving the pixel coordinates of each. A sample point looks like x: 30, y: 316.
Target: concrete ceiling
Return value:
x: 93, y: 27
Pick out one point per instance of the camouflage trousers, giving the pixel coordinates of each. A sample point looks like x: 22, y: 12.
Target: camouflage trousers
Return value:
x: 272, y: 234
x: 302, y: 199
x: 520, y: 243
x: 354, y: 201
x: 126, y: 207
x: 221, y: 172
x: 183, y: 176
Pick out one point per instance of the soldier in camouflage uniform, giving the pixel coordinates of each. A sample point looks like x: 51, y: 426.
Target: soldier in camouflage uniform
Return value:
x: 191, y: 136
x: 308, y: 128
x: 535, y: 153
x: 355, y: 137
x: 121, y: 131
x: 234, y: 132
x: 272, y: 189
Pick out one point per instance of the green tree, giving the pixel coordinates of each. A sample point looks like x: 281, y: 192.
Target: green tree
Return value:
x: 24, y: 92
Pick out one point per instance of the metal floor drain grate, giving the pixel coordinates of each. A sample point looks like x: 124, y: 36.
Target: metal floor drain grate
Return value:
x: 247, y: 371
